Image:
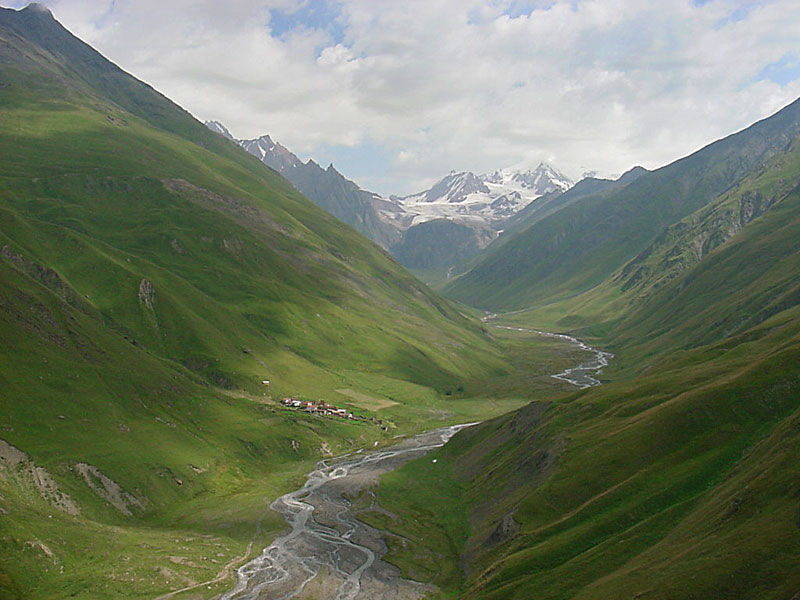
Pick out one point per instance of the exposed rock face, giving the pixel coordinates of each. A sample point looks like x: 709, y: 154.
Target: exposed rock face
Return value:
x: 455, y: 188
x: 479, y: 200
x: 327, y: 188
x: 505, y: 530
x: 146, y: 293
x: 15, y: 463
x: 440, y: 243
x: 685, y: 243
x: 11, y: 457
x: 108, y: 489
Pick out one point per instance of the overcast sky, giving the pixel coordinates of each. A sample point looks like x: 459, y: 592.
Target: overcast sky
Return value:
x: 398, y: 93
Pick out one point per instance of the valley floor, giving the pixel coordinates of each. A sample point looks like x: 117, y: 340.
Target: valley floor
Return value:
x: 191, y: 550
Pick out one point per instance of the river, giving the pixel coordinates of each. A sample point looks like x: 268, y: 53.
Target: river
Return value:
x: 583, y: 374
x: 328, y: 552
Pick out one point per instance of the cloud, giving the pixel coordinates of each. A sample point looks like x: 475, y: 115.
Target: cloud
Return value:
x: 460, y: 84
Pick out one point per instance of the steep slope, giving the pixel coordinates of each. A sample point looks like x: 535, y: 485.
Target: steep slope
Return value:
x: 152, y: 276
x: 274, y: 246
x: 678, y: 483
x: 447, y: 227
x: 640, y: 302
x: 580, y: 246
x: 675, y: 485
x: 553, y: 202
x: 439, y: 244
x: 735, y: 287
x: 327, y: 188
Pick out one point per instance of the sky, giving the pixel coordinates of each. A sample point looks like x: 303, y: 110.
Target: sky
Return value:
x: 396, y: 94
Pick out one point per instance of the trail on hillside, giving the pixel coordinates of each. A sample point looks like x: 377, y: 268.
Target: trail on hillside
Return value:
x: 329, y: 553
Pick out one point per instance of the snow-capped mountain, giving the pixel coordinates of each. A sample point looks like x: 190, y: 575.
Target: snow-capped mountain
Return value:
x: 433, y: 229
x: 454, y: 188
x: 467, y: 197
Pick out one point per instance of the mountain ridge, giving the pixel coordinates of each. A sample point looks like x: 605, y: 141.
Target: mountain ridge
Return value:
x: 577, y: 247
x: 675, y: 478
x: 483, y: 200
x: 327, y: 188
x: 161, y: 290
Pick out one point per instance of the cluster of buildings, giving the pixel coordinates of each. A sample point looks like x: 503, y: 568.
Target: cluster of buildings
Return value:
x: 329, y: 410
x: 320, y: 408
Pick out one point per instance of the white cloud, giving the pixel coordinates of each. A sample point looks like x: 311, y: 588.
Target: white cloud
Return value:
x: 459, y: 84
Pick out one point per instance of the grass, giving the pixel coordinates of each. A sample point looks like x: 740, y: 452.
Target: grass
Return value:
x: 366, y: 402
x: 427, y: 538
x: 673, y: 480
x: 582, y: 245
x: 152, y: 275
x: 671, y: 485
x: 425, y: 506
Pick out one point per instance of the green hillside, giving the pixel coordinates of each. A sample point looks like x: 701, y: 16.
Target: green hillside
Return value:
x: 434, y: 249
x: 715, y: 273
x: 161, y: 290
x: 678, y: 483
x: 581, y: 245
x: 675, y: 480
x: 152, y: 275
x: 681, y: 484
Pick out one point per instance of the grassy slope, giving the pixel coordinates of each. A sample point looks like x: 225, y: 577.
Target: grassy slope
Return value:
x: 719, y: 271
x: 152, y: 274
x: 581, y: 245
x: 429, y: 511
x: 677, y: 483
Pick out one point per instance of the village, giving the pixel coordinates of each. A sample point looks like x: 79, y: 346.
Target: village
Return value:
x: 329, y: 410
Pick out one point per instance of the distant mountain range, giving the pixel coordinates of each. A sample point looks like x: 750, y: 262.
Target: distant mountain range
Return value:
x: 462, y: 213
x: 478, y: 199
x: 161, y: 289
x: 677, y: 477
x: 580, y: 245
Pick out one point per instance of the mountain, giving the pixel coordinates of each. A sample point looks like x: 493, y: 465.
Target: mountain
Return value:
x: 219, y: 128
x: 676, y: 478
x: 473, y: 206
x: 446, y: 226
x: 440, y: 250
x: 579, y: 246
x: 327, y: 188
x: 482, y: 200
x: 456, y: 187
x: 161, y: 290
x: 440, y: 244
x: 554, y: 201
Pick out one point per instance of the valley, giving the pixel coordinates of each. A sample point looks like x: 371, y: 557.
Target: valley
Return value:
x: 330, y: 549
x: 228, y: 373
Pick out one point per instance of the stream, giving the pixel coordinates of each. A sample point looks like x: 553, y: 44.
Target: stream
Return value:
x: 328, y: 552
x: 583, y: 374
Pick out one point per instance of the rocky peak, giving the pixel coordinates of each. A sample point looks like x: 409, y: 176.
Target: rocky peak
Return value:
x: 219, y: 128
